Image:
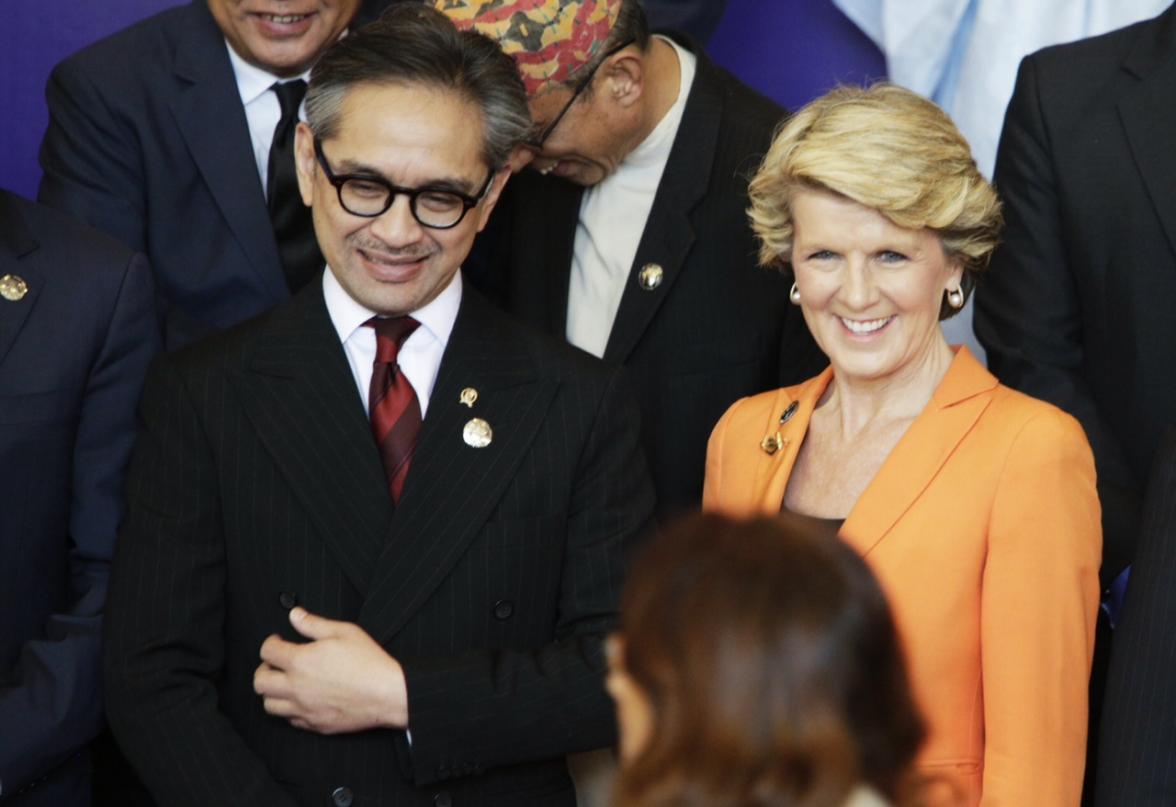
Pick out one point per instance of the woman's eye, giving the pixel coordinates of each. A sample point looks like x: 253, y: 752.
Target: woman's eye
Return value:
x: 821, y: 255
x: 890, y: 256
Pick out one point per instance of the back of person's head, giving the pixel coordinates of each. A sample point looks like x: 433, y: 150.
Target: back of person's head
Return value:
x: 766, y: 662
x: 413, y: 44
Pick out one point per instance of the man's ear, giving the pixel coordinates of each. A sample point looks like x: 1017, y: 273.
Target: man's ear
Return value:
x: 496, y: 185
x: 304, y: 162
x: 519, y: 159
x: 624, y: 77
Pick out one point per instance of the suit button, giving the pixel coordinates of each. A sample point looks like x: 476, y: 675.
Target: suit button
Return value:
x: 442, y: 799
x: 342, y: 797
x: 288, y: 599
x: 503, y: 609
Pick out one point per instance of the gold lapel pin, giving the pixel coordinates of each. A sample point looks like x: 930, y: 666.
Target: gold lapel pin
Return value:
x: 13, y: 288
x: 650, y: 276
x: 773, y: 443
x: 468, y: 397
x: 477, y: 433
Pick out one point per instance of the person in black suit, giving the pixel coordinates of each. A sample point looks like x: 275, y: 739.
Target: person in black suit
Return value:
x: 1137, y: 746
x: 77, y: 331
x: 631, y: 238
x: 171, y: 136
x: 1075, y: 307
x: 426, y: 638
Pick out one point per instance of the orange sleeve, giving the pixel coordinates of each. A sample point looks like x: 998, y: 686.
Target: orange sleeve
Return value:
x: 1039, y: 601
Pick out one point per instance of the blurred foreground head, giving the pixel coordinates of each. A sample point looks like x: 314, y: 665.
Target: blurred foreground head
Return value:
x: 757, y: 663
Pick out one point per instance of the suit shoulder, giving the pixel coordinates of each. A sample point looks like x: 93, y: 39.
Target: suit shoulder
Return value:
x: 70, y: 247
x: 1025, y: 418
x: 745, y: 110
x: 125, y: 53
x: 1094, y: 59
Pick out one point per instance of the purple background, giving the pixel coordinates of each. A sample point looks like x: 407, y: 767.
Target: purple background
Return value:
x: 791, y: 50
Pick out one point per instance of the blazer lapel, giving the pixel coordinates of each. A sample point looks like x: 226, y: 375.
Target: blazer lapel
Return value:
x: 301, y: 399
x: 957, y: 403
x: 783, y: 432
x: 16, y: 242
x: 669, y: 232
x: 452, y: 486
x: 1149, y: 118
x: 219, y: 143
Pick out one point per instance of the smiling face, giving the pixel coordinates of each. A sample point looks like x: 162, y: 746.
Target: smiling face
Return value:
x: 411, y: 136
x: 870, y: 290
x: 283, y: 37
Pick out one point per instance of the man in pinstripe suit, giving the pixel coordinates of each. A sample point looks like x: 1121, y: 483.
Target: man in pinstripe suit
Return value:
x: 437, y: 644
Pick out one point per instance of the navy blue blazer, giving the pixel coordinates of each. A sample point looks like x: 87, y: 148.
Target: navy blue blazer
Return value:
x: 147, y: 140
x: 73, y: 354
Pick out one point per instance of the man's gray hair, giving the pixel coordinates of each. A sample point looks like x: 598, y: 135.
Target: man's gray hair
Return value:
x: 414, y: 44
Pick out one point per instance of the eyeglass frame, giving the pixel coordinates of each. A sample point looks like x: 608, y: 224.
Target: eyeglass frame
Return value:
x: 536, y: 143
x: 339, y: 180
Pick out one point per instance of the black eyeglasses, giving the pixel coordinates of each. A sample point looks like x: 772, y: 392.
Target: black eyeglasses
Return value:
x: 368, y: 195
x: 536, y: 141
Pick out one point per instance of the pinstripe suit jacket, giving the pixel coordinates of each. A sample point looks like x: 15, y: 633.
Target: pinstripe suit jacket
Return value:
x: 256, y: 482
x: 1137, y: 742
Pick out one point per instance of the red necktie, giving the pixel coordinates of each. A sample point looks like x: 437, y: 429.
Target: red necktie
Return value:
x: 392, y: 402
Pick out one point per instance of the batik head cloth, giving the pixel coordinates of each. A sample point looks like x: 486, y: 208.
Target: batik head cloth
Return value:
x: 550, y: 40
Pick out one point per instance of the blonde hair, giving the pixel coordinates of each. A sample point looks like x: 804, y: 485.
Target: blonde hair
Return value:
x: 888, y: 149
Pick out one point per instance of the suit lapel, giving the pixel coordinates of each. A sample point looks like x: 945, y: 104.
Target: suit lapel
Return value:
x: 786, y: 425
x: 453, y: 487
x: 958, y: 402
x: 1149, y: 118
x: 219, y: 143
x: 300, y: 396
x: 16, y: 242
x: 669, y: 232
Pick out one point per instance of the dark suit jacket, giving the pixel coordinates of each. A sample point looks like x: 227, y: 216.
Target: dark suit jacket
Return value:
x: 257, y: 483
x: 1076, y: 308
x: 1137, y: 746
x: 148, y: 141
x: 718, y: 327
x: 73, y: 354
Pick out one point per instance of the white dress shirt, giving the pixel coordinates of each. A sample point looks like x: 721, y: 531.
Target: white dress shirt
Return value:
x: 420, y: 355
x: 612, y: 218
x: 262, y: 109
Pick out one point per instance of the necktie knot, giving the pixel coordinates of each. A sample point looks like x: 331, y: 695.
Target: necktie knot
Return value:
x: 390, y: 335
x: 290, y: 95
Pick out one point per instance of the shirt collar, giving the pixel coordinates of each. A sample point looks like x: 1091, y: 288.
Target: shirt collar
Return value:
x: 252, y: 81
x: 437, y: 317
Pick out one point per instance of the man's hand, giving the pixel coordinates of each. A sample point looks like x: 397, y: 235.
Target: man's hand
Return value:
x: 340, y: 681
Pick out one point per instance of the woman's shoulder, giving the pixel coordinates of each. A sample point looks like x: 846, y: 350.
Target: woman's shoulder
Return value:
x: 1020, y: 414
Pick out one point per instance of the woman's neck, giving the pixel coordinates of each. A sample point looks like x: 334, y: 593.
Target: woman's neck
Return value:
x: 857, y: 403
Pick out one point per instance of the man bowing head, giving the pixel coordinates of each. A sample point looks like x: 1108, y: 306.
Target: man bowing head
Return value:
x: 413, y: 508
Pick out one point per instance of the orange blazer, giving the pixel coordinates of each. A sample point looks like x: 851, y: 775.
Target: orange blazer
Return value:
x: 983, y: 528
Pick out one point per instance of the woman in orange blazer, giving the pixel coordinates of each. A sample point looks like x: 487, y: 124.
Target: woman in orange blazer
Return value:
x: 975, y: 505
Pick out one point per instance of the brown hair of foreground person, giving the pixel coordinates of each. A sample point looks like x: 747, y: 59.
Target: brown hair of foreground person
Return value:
x: 758, y: 664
